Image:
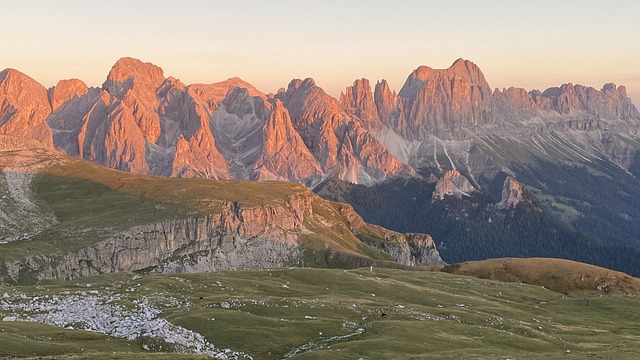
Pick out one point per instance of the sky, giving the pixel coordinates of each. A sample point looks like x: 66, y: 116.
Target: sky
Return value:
x: 529, y: 44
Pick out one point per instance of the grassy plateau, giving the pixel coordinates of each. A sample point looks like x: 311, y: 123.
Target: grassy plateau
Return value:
x: 349, y: 314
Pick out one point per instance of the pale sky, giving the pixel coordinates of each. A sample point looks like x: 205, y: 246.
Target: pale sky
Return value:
x: 530, y: 44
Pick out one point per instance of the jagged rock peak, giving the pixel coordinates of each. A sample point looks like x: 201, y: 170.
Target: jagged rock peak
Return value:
x: 218, y: 91
x: 462, y: 68
x: 284, y: 154
x: 440, y: 102
x: 612, y: 87
x: 305, y: 96
x: 237, y: 82
x: 129, y: 72
x: 24, y: 107
x: 468, y: 69
x: 383, y: 95
x: 511, y: 193
x: 358, y: 100
x: 17, y: 81
x: 298, y: 83
x: 383, y: 86
x: 452, y: 183
x: 386, y: 102
x: 126, y: 67
x: 66, y: 90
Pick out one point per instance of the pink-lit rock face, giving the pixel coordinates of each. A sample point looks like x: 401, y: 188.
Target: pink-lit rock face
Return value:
x: 24, y: 107
x: 284, y: 155
x: 445, y: 100
x: 511, y: 193
x: 144, y: 122
x: 358, y: 100
x: 66, y: 90
x: 341, y: 143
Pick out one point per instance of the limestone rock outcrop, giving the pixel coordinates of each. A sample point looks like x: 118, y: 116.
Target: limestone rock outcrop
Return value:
x: 511, y: 194
x: 227, y: 241
x: 452, y: 183
x: 410, y: 249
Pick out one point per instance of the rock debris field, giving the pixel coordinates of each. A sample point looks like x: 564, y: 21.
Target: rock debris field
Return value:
x: 93, y: 311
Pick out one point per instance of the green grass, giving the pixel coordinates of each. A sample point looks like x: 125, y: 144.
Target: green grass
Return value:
x: 406, y: 314
x: 558, y: 205
x: 563, y: 276
x: 23, y: 339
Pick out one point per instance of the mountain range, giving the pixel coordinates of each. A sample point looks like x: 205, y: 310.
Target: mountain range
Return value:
x: 575, y: 149
x: 143, y: 122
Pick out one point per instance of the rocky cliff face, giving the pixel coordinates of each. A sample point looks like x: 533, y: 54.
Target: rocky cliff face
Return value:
x: 237, y: 237
x: 284, y: 155
x: 409, y: 249
x: 358, y: 101
x: 452, y: 183
x: 441, y: 102
x: 143, y: 122
x: 341, y: 144
x: 24, y: 107
x: 199, y: 244
x: 511, y: 193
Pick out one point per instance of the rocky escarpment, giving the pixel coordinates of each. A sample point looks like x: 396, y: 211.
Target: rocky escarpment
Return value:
x: 196, y: 244
x: 409, y: 249
x: 237, y: 237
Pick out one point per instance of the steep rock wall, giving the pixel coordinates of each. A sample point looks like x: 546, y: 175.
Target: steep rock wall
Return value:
x: 200, y: 243
x: 408, y: 249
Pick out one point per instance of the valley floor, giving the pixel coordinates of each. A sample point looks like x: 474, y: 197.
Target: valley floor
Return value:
x: 313, y: 314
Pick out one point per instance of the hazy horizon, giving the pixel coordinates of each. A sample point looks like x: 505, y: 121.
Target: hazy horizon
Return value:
x: 515, y: 43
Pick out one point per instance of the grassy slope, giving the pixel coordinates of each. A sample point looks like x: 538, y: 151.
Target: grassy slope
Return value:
x: 563, y: 276
x: 24, y: 339
x: 406, y: 314
x: 91, y: 202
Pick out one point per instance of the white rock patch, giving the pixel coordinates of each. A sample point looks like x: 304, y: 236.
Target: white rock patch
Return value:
x: 99, y: 314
